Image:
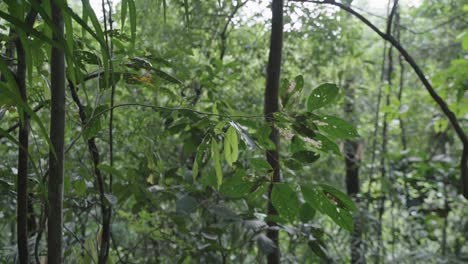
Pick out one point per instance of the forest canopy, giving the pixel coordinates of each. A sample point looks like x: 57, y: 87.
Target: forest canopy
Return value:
x: 233, y: 131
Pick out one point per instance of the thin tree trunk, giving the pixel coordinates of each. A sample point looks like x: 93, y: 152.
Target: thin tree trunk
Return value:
x: 25, y: 213
x: 57, y: 134
x: 95, y: 156
x: 352, y: 160
x: 445, y: 226
x: 388, y: 71
x: 106, y: 210
x: 23, y: 137
x: 271, y: 106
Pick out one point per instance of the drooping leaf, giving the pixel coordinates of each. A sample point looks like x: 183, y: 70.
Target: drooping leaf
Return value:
x: 123, y: 12
x: 244, y: 136
x: 217, y: 161
x: 21, y: 25
x: 231, y: 141
x: 133, y: 19
x: 199, y: 157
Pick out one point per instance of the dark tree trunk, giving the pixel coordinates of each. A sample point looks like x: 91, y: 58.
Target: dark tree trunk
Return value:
x: 25, y: 213
x: 352, y: 159
x: 57, y: 134
x: 271, y: 106
x: 23, y: 137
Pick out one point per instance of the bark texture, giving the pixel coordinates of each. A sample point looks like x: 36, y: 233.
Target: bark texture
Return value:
x: 272, y: 106
x: 57, y: 133
x: 23, y: 138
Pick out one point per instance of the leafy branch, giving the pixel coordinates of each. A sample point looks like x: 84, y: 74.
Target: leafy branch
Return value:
x: 422, y: 77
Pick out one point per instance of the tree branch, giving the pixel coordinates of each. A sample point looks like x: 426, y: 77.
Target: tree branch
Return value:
x: 45, y: 103
x: 435, y: 96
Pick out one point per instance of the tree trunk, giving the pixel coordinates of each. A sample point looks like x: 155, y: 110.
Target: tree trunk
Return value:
x: 57, y: 134
x: 352, y: 159
x: 23, y: 137
x: 25, y: 212
x: 271, y: 106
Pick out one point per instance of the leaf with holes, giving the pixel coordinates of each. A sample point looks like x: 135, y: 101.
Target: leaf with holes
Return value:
x: 322, y: 96
x: 336, y: 127
x: 316, y: 197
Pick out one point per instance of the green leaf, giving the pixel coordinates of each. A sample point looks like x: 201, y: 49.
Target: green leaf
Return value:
x: 297, y: 144
x: 217, y: 162
x: 306, y: 212
x: 337, y: 128
x: 186, y: 205
x: 123, y: 12
x: 199, y: 157
x: 80, y: 187
x: 133, y: 19
x: 109, y: 170
x: 327, y: 205
x: 21, y: 25
x: 69, y: 40
x: 322, y: 96
x: 327, y: 145
x: 291, y: 89
x: 11, y: 91
x: 236, y: 187
x: 98, y: 34
x: 7, y: 135
x: 344, y: 201
x: 285, y: 201
x: 319, y: 250
x: 167, y: 77
x: 306, y: 156
x: 262, y: 137
x: 231, y: 142
x: 260, y: 164
x: 186, y: 9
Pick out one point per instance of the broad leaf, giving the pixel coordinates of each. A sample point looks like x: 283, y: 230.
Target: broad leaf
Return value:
x: 322, y: 96
x: 316, y: 197
x: 336, y: 127
x: 285, y: 201
x: 235, y: 187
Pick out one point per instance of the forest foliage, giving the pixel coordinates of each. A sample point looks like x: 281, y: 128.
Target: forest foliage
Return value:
x: 166, y: 131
